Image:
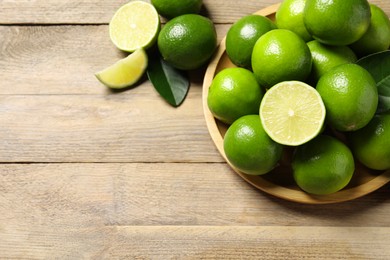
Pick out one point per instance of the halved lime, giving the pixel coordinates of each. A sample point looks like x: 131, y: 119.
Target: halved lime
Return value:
x: 292, y: 113
x: 124, y: 72
x: 135, y: 25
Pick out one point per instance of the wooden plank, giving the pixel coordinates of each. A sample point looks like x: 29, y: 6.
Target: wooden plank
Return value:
x: 186, y: 211
x: 28, y: 53
x: 60, y: 60
x: 100, y: 12
x: 197, y: 242
x: 35, y: 198
x: 250, y: 243
x: 114, y: 128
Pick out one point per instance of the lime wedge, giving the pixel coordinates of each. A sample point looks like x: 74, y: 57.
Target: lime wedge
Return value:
x: 292, y: 113
x: 124, y: 72
x: 135, y: 25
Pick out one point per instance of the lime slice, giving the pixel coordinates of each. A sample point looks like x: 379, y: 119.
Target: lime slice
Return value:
x: 124, y: 72
x: 135, y: 25
x: 292, y: 113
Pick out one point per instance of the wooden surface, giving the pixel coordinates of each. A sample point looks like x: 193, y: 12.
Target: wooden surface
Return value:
x: 87, y: 173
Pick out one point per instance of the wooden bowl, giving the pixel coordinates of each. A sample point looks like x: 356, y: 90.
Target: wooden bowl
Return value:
x: 280, y: 182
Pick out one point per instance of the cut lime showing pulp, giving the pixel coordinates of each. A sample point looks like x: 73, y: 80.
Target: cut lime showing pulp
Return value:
x: 124, y: 72
x: 135, y: 25
x: 292, y: 113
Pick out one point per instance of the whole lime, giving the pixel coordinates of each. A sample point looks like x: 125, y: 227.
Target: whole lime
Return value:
x: 350, y: 96
x: 337, y: 22
x: 377, y: 37
x: 371, y: 144
x: 280, y: 55
x: 290, y: 16
x: 234, y: 92
x: 323, y: 166
x: 173, y: 8
x: 188, y: 41
x: 243, y: 35
x: 326, y: 57
x: 249, y: 149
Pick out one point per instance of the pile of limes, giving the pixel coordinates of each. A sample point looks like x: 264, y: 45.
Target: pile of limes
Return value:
x: 186, y: 42
x: 297, y: 84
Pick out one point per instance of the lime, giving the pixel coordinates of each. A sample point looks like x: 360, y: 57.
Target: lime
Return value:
x: 350, y: 96
x: 323, y: 166
x: 124, y: 72
x: 371, y: 144
x: 173, y: 8
x: 234, y: 92
x: 188, y: 41
x: 377, y: 37
x: 292, y: 113
x: 243, y: 35
x: 135, y: 25
x: 290, y: 16
x: 337, y: 22
x: 280, y: 55
x: 249, y: 149
x: 326, y: 57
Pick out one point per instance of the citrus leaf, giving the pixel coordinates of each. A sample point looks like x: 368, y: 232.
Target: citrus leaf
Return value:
x: 170, y: 83
x: 384, y: 86
x: 378, y: 64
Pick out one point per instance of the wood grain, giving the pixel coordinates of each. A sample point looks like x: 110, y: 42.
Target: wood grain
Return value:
x: 74, y: 127
x: 153, y: 194
x: 67, y: 115
x: 182, y: 211
x: 114, y: 128
x: 250, y: 243
x: 101, y: 11
x: 188, y: 242
x: 29, y: 53
x: 86, y: 173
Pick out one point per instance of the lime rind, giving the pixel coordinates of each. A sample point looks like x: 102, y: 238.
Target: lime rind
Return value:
x: 292, y: 113
x: 134, y: 25
x: 125, y: 72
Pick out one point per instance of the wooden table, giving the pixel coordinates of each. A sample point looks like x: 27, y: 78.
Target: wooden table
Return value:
x: 90, y: 173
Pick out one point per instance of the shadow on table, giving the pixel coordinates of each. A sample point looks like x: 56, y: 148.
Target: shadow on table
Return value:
x: 339, y: 211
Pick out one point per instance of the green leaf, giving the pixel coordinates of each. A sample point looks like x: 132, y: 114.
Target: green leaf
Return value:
x: 378, y: 64
x: 170, y: 83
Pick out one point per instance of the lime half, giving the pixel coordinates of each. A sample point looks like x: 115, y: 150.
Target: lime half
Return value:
x: 292, y: 113
x: 135, y: 25
x: 124, y: 72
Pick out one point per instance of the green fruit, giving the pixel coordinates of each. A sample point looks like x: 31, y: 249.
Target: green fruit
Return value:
x: 130, y: 31
x: 188, y: 41
x: 234, y: 92
x: 290, y: 16
x: 323, y: 166
x: 173, y: 8
x: 280, y: 55
x: 326, y: 57
x: 249, y: 149
x: 371, y: 144
x: 377, y: 37
x: 350, y: 96
x: 292, y: 113
x: 243, y: 35
x: 337, y: 22
x: 125, y: 72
